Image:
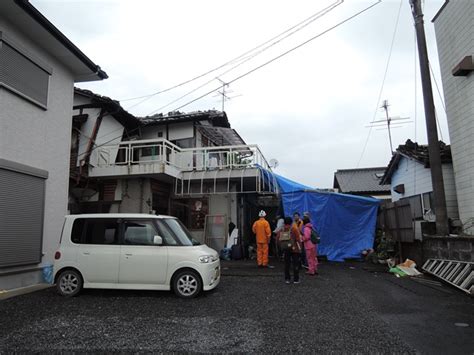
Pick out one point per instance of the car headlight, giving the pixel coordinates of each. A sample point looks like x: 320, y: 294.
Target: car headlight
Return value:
x: 205, y: 259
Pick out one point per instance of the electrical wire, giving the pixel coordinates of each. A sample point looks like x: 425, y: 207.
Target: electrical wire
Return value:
x: 246, y: 59
x: 299, y: 26
x: 281, y: 55
x: 262, y: 65
x: 381, y: 88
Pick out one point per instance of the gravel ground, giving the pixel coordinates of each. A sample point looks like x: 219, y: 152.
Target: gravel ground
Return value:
x: 344, y: 310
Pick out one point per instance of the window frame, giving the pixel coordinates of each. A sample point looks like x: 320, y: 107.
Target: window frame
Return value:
x: 6, y: 40
x: 86, y: 225
x: 122, y: 235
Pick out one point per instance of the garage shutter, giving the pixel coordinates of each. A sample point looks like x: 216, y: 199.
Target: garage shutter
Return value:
x: 21, y: 218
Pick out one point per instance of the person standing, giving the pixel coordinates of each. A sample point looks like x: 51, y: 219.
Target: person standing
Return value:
x: 261, y: 229
x: 309, y: 247
x: 280, y: 222
x: 292, y: 250
x: 298, y: 223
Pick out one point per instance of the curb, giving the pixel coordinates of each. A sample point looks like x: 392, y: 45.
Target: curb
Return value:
x: 6, y: 294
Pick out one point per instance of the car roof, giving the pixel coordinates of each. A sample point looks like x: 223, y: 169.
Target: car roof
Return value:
x: 117, y: 215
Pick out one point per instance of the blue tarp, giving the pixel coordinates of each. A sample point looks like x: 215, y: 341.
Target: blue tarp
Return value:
x: 346, y: 223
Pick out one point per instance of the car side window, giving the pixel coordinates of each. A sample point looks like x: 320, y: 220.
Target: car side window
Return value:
x: 101, y: 231
x: 77, y: 230
x: 138, y: 232
x: 166, y: 234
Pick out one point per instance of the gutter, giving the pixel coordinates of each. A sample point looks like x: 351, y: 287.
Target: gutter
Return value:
x: 56, y: 33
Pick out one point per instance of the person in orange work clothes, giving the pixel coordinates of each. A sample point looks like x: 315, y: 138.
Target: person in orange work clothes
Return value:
x: 262, y: 231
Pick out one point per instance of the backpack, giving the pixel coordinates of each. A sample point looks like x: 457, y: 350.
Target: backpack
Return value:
x: 285, y: 240
x: 315, y: 239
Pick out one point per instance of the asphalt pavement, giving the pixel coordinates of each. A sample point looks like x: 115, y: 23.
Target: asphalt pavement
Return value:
x: 348, y: 308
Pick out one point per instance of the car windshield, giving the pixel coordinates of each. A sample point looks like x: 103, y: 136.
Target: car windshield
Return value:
x: 180, y: 231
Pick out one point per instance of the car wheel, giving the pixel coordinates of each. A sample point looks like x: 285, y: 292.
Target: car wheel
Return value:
x: 187, y: 284
x: 69, y: 283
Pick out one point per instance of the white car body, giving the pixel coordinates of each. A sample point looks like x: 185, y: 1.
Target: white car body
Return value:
x: 139, y: 267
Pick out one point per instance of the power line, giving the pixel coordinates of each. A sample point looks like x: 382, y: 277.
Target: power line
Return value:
x: 303, y: 24
x: 244, y: 60
x: 383, y: 81
x: 381, y: 87
x: 281, y: 55
x: 264, y: 64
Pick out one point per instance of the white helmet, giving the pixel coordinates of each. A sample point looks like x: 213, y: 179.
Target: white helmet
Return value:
x: 262, y: 213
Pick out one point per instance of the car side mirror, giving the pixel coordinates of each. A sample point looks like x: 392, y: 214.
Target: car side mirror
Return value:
x: 157, y: 240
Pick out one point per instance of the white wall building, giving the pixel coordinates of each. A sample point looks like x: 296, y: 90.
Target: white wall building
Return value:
x: 409, y: 176
x: 455, y: 40
x: 189, y: 165
x: 38, y: 69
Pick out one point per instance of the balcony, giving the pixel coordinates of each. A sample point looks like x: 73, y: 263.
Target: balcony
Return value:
x: 196, y: 170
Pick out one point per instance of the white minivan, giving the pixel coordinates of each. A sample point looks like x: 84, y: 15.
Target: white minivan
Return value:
x: 132, y: 251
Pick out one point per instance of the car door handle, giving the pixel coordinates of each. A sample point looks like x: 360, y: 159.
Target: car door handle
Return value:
x: 86, y: 253
x: 128, y: 254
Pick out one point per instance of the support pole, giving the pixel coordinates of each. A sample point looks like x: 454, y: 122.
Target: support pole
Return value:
x: 431, y: 128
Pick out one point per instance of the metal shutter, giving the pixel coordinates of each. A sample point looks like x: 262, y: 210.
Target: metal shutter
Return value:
x: 22, y: 75
x: 21, y: 218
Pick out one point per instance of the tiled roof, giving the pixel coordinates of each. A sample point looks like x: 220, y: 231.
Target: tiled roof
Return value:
x: 218, y: 118
x: 359, y: 181
x: 417, y: 152
x: 113, y: 107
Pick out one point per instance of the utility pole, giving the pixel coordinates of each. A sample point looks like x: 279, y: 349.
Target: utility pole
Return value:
x: 431, y: 128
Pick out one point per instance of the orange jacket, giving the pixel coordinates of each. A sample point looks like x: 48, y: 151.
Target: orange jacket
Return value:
x: 261, y: 229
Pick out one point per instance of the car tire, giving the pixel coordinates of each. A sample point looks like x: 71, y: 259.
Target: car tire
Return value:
x: 69, y: 283
x: 187, y: 284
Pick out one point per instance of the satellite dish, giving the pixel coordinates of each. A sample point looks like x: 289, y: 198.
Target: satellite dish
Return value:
x: 274, y: 163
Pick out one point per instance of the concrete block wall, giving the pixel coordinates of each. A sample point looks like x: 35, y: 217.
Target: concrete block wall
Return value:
x: 450, y: 248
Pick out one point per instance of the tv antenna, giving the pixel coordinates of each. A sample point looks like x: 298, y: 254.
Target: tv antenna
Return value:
x: 224, y: 93
x: 274, y: 163
x: 388, y: 123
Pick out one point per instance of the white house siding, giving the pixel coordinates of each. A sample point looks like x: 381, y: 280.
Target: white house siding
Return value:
x: 417, y: 180
x: 39, y: 138
x: 180, y: 131
x: 455, y: 38
x: 109, y: 134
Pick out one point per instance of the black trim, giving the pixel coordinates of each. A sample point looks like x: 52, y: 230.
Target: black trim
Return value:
x: 439, y: 11
x: 53, y: 31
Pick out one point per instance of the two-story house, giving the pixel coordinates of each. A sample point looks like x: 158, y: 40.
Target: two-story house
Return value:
x: 190, y: 165
x: 38, y: 69
x: 455, y: 40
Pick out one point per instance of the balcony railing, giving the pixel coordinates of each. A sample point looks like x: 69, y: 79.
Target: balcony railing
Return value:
x: 184, y: 159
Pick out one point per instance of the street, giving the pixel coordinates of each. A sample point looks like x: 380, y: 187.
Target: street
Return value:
x: 350, y: 307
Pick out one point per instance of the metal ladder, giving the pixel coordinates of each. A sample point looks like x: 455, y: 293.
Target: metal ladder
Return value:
x: 457, y: 273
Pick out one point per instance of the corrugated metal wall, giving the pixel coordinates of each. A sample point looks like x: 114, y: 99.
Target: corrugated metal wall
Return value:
x: 21, y: 218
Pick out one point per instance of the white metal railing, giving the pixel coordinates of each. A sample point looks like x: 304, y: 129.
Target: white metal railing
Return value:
x: 185, y: 159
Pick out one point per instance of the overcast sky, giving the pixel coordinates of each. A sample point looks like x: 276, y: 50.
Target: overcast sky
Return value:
x: 309, y: 109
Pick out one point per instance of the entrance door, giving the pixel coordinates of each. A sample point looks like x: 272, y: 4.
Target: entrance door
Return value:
x: 141, y: 261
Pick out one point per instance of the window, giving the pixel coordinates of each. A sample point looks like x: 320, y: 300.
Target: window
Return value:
x: 166, y: 234
x: 22, y: 74
x: 191, y: 211
x: 139, y: 233
x: 77, y: 230
x: 101, y: 231
x: 179, y: 231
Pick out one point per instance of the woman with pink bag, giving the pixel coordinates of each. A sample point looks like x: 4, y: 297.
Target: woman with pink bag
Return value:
x: 309, y: 247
